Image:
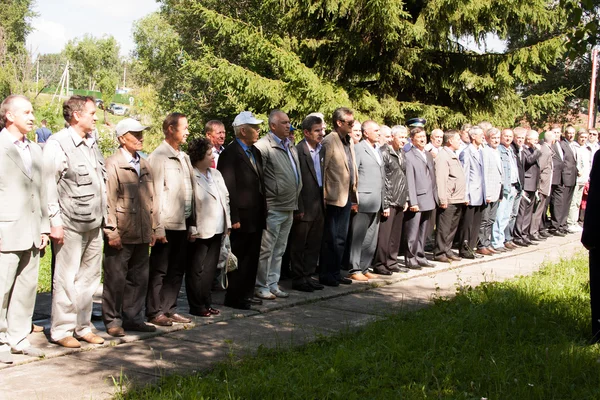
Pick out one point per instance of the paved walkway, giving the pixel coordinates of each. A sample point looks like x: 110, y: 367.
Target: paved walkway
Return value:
x: 97, y: 372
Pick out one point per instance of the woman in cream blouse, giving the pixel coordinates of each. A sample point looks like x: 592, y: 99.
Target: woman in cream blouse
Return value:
x: 212, y: 220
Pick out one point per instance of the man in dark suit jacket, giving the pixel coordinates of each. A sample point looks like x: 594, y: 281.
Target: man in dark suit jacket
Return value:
x: 537, y: 229
x: 241, y: 166
x: 563, y: 182
x: 591, y: 240
x: 365, y: 225
x: 422, y: 199
x: 530, y: 154
x: 307, y: 228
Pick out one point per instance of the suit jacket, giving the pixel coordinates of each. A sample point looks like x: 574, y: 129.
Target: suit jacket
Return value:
x: 420, y: 175
x: 520, y: 165
x: 282, y: 185
x: 557, y: 164
x: 245, y: 185
x: 371, y: 175
x: 492, y: 169
x: 569, y: 170
x: 337, y: 173
x: 310, y: 202
x: 529, y: 159
x: 589, y: 237
x: 472, y: 161
x: 545, y: 162
x: 450, y: 177
x: 23, y: 200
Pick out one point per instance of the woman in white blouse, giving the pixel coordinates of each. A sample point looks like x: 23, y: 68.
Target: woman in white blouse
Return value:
x: 212, y: 221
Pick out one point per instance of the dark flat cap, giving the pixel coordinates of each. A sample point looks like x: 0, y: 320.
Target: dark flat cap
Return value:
x: 416, y: 122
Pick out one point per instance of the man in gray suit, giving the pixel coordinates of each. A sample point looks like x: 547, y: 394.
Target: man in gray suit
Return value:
x: 283, y: 182
x: 24, y: 226
x: 472, y: 161
x: 492, y: 168
x: 422, y: 198
x: 544, y: 187
x: 365, y: 225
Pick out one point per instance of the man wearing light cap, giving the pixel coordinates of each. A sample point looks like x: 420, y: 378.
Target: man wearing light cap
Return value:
x: 241, y: 166
x: 130, y: 229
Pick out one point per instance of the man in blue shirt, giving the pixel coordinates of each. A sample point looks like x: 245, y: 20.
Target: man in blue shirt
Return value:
x: 42, y: 134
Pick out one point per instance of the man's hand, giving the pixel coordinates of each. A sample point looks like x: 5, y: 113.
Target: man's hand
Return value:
x: 191, y: 238
x: 236, y: 226
x: 386, y: 213
x: 414, y: 208
x: 354, y: 208
x: 444, y: 205
x: 57, y: 234
x: 152, y: 240
x: 44, y: 241
x: 298, y: 216
x: 405, y: 207
x: 115, y: 243
x: 160, y: 239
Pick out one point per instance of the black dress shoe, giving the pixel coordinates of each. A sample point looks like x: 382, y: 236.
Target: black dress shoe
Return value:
x: 254, y: 300
x: 394, y: 268
x: 382, y: 271
x: 329, y: 282
x: 536, y: 238
x: 558, y: 233
x: 520, y: 242
x: 344, y: 281
x: 239, y: 305
x: 142, y: 327
x: 315, y: 285
x: 544, y: 234
x: 426, y: 264
x: 413, y: 266
x: 468, y: 256
x: 303, y: 287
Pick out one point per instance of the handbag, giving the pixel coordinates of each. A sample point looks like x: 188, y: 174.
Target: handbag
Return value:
x: 228, y: 262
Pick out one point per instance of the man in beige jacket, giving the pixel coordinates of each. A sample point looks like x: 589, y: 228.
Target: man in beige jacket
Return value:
x: 130, y: 228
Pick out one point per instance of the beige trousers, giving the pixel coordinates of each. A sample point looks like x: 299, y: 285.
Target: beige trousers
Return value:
x: 76, y: 278
x: 18, y: 283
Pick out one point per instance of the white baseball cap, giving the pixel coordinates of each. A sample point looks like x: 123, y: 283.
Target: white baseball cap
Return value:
x: 129, y: 125
x: 246, y: 117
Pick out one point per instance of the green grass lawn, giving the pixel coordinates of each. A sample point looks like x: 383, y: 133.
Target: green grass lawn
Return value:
x: 44, y: 276
x: 523, y: 339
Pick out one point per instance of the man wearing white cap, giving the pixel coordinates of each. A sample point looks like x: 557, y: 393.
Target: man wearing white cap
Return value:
x: 130, y: 228
x: 241, y: 166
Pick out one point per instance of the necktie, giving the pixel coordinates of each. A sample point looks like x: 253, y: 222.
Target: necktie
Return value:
x: 251, y: 157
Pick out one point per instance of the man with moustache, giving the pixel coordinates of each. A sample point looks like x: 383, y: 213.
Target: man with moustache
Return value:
x: 241, y: 166
x: 75, y: 176
x: 174, y: 189
x: 492, y: 168
x: 451, y: 187
x: 422, y: 199
x: 24, y: 226
x: 365, y: 224
x: 307, y: 228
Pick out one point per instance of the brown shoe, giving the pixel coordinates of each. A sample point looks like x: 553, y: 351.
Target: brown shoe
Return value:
x: 484, y: 251
x: 69, y: 342
x: 370, y: 275
x: 510, y: 245
x: 180, y: 319
x: 116, y: 331
x: 36, y: 328
x: 358, y: 277
x: 161, y: 320
x: 491, y: 250
x: 91, y: 338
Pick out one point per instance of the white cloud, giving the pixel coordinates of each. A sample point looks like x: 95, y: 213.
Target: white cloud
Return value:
x: 48, y: 37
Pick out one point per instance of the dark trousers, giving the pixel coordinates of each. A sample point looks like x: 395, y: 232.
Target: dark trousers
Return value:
x: 447, y: 224
x: 246, y: 247
x: 560, y: 202
x: 202, y: 258
x: 306, y: 238
x: 415, y: 229
x: 470, y: 226
x: 390, y: 236
x: 595, y: 293
x: 125, y: 284
x: 525, y: 215
x: 364, y: 241
x: 335, y: 231
x: 539, y: 212
x: 510, y: 228
x: 167, y: 267
x: 346, y: 257
x: 488, y: 217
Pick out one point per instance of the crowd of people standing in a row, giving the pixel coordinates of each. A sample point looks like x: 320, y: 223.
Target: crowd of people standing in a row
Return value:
x: 334, y: 201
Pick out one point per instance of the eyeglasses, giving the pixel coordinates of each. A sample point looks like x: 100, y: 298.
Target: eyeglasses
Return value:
x: 350, y: 123
x: 593, y: 133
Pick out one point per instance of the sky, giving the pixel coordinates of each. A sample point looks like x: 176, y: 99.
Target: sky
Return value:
x: 62, y: 20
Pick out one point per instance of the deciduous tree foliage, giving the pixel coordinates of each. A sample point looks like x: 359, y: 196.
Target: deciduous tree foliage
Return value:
x: 388, y: 59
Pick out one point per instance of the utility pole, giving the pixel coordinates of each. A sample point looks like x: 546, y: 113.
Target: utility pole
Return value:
x: 124, y: 75
x: 591, y: 108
